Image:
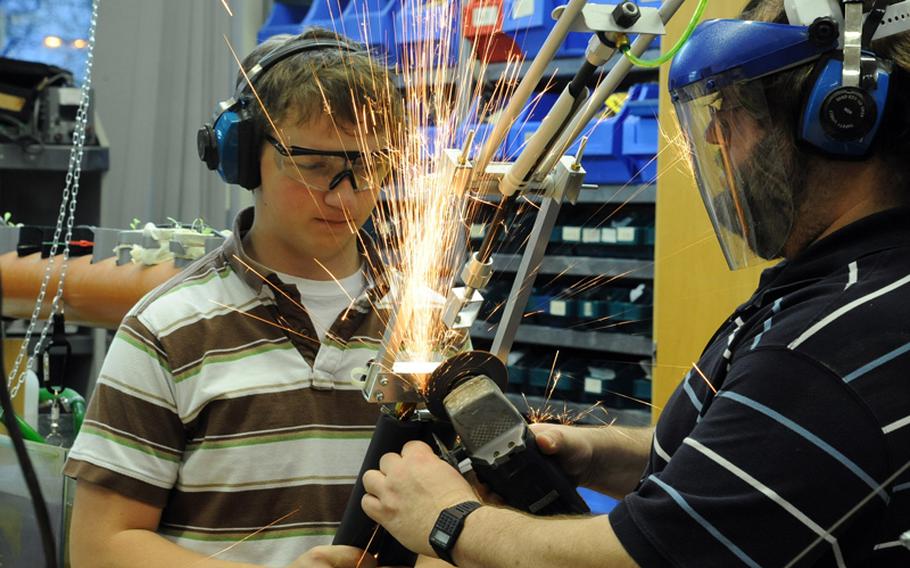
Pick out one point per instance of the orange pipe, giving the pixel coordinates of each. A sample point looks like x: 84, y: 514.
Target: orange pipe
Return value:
x: 95, y: 295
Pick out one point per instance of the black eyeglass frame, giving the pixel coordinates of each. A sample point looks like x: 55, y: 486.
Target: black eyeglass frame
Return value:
x: 350, y: 157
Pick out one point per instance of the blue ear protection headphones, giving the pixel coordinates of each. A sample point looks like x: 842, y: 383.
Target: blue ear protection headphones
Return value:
x: 231, y: 143
x: 843, y: 120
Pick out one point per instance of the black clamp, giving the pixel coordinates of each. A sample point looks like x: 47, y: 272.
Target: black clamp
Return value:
x: 57, y: 353
x: 824, y: 31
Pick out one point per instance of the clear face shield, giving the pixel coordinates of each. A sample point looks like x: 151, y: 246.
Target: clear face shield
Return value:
x: 743, y: 168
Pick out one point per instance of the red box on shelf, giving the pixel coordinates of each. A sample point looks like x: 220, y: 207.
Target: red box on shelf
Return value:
x: 483, y: 25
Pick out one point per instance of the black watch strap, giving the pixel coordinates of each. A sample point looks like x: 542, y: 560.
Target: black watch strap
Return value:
x: 447, y: 528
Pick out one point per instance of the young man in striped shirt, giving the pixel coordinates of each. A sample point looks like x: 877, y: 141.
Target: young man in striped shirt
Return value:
x: 224, y: 429
x: 789, y: 443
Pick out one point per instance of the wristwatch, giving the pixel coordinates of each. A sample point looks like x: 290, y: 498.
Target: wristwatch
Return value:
x: 447, y: 528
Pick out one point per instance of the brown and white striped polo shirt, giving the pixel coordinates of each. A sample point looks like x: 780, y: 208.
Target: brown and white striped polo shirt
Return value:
x: 237, y: 428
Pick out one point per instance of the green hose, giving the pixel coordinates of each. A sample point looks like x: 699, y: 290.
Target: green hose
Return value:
x: 28, y: 432
x: 78, y: 407
x: 654, y: 63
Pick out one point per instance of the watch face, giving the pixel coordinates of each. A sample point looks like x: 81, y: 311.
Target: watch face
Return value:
x: 440, y: 537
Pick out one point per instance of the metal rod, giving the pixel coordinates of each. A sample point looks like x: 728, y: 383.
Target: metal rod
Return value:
x: 528, y: 83
x: 539, y: 144
x: 606, y: 88
x: 524, y: 277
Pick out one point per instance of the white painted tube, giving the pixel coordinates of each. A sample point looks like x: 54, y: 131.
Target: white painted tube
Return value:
x: 539, y: 142
x: 606, y: 88
x: 529, y: 82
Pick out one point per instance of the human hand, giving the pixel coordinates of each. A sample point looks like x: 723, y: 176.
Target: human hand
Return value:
x: 408, y: 492
x: 570, y: 445
x: 334, y: 556
x: 609, y: 459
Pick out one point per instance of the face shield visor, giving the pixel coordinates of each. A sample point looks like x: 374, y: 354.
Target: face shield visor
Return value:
x: 741, y: 166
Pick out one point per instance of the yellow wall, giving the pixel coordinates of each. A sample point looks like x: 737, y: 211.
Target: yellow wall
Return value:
x: 694, y: 289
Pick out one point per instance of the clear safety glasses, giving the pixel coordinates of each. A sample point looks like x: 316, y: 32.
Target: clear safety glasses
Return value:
x: 321, y: 170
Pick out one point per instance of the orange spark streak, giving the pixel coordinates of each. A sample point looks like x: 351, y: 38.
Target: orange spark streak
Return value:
x: 228, y: 8
x: 267, y: 281
x: 244, y: 539
x: 638, y: 400
x: 263, y: 320
x: 553, y: 368
x: 705, y: 378
x: 332, y: 276
x: 367, y: 547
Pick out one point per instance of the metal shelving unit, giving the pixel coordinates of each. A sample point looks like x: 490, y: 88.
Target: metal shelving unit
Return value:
x: 582, y: 266
x: 561, y: 337
x: 620, y: 194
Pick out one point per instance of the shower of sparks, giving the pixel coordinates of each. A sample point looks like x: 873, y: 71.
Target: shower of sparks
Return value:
x: 422, y: 218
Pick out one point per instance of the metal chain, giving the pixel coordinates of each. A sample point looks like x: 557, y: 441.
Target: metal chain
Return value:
x: 67, y: 212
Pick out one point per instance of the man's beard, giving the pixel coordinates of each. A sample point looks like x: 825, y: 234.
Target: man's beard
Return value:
x: 772, y: 184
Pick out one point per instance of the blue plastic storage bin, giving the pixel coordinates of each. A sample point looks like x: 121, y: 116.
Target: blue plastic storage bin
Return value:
x: 507, y: 148
x: 599, y: 503
x: 284, y: 19
x: 641, y: 389
x: 640, y: 130
x: 411, y: 32
x: 528, y: 120
x: 326, y: 14
x: 529, y: 22
x: 604, y: 159
x: 373, y: 22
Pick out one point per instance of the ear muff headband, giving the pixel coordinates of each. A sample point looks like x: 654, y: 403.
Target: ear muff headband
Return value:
x: 231, y: 143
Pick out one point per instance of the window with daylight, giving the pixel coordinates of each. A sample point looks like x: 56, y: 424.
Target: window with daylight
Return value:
x: 47, y: 31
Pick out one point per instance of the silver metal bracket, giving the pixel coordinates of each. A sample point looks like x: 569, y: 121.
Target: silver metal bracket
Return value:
x: 599, y: 18
x: 566, y: 180
x: 455, y: 167
x: 461, y: 311
x: 386, y: 387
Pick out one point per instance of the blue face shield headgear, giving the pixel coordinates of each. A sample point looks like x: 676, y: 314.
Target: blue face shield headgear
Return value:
x: 737, y: 152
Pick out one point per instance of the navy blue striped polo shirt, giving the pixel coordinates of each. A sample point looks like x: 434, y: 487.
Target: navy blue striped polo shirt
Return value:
x: 789, y: 442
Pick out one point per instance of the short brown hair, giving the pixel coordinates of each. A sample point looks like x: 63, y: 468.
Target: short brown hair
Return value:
x: 786, y: 93
x: 344, y: 84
